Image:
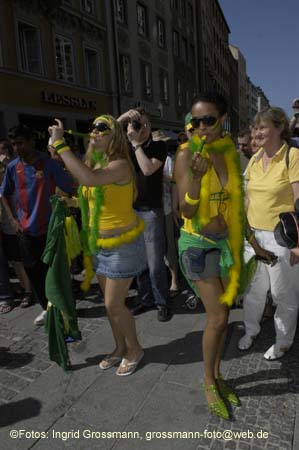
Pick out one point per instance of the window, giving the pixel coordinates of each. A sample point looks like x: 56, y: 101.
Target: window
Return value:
x: 141, y: 20
x: 184, y: 50
x: 92, y: 64
x: 192, y: 55
x: 64, y: 59
x: 164, y: 88
x: 30, y: 48
x: 125, y: 74
x: 190, y: 14
x: 183, y: 8
x: 88, y: 6
x: 161, y: 33
x: 121, y: 11
x: 179, y: 93
x: 146, y: 81
x: 176, y: 43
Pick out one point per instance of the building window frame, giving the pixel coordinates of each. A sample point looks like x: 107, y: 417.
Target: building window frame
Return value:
x: 88, y: 6
x: 161, y: 33
x: 142, y: 18
x: 121, y: 12
x: 146, y: 81
x: 99, y: 72
x: 176, y: 43
x: 164, y: 87
x: 126, y: 80
x: 179, y: 93
x: 24, y: 63
x: 184, y: 50
x: 183, y: 8
x: 66, y: 41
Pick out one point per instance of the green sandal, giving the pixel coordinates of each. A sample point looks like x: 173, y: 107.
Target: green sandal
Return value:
x: 218, y: 407
x: 226, y: 392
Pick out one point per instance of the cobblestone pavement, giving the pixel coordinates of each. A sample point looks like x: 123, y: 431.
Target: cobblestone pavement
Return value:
x: 268, y: 390
x: 27, y: 356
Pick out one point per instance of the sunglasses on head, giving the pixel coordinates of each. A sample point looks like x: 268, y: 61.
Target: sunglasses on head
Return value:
x: 208, y: 121
x: 101, y: 126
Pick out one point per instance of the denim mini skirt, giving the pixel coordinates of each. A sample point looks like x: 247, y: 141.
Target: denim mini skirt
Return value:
x: 125, y: 261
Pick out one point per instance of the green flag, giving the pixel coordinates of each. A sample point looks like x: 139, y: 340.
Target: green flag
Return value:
x: 61, y: 313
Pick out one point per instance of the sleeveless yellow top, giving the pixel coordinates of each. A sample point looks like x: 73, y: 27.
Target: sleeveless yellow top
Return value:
x: 218, y: 203
x: 117, y: 210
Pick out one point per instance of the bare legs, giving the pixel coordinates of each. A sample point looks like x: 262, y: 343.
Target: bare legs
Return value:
x: 121, y: 319
x: 215, y: 331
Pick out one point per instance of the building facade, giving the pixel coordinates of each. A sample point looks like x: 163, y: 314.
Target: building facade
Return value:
x: 242, y: 77
x: 252, y: 100
x: 154, y: 46
x: 54, y: 63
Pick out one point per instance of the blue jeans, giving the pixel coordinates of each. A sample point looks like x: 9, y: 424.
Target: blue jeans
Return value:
x: 6, y: 293
x: 153, y: 284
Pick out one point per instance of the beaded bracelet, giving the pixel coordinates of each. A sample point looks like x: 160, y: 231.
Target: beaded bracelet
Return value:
x: 191, y: 201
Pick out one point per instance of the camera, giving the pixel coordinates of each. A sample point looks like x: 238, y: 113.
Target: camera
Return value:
x: 136, y: 125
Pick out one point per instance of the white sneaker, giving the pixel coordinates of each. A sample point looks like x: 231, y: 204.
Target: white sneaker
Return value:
x: 275, y: 352
x: 246, y: 342
x: 41, y: 318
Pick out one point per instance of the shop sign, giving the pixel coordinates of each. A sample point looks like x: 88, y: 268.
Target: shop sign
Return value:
x: 68, y: 101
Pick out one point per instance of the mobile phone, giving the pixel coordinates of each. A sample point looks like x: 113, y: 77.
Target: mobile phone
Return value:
x: 274, y: 259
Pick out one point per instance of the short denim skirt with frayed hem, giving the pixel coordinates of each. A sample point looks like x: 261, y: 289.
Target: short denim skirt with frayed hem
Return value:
x: 125, y: 261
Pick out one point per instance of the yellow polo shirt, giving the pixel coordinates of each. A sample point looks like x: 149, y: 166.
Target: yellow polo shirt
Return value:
x: 270, y: 193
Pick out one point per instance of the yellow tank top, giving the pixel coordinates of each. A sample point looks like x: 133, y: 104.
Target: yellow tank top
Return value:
x: 117, y: 210
x: 219, y: 199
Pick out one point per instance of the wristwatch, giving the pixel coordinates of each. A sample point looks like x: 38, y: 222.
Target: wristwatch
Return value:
x: 136, y: 147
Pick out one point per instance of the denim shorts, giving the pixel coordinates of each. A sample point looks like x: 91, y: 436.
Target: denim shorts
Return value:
x: 125, y: 261
x: 203, y: 263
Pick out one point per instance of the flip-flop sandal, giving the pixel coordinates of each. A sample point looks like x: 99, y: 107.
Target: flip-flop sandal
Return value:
x: 6, y: 308
x: 26, y: 301
x: 109, y: 361
x: 129, y: 367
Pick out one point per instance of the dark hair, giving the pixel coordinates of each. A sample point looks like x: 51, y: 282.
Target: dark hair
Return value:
x: 212, y: 97
x: 21, y: 130
x: 244, y: 132
x: 142, y: 112
x: 7, y: 146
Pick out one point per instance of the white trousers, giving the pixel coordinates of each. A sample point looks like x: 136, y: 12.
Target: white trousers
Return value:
x: 283, y: 282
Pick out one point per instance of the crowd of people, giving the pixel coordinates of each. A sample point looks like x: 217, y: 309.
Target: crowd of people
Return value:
x: 134, y: 194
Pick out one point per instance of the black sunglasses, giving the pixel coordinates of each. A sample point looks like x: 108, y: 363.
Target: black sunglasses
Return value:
x: 208, y: 121
x: 101, y: 126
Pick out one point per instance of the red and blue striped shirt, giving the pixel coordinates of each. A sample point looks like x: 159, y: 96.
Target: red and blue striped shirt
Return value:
x: 33, y: 185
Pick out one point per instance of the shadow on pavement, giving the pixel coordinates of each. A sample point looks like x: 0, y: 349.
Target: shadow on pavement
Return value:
x: 9, y: 360
x: 13, y: 412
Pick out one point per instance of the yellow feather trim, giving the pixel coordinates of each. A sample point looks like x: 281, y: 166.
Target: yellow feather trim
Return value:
x: 89, y: 273
x: 124, y: 238
x: 236, y: 204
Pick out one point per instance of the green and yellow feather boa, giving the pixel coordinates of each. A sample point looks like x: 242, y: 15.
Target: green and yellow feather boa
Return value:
x: 235, y: 223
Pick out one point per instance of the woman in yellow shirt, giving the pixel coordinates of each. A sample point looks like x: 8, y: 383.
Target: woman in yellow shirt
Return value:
x: 272, y: 179
x: 113, y: 232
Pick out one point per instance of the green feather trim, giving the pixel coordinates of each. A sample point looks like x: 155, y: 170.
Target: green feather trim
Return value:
x: 89, y: 236
x: 99, y: 197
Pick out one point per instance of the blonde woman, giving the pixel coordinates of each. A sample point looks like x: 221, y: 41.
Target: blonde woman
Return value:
x: 272, y: 187
x: 115, y: 232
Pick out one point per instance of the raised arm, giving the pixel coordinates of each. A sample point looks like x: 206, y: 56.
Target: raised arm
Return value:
x: 188, y: 173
